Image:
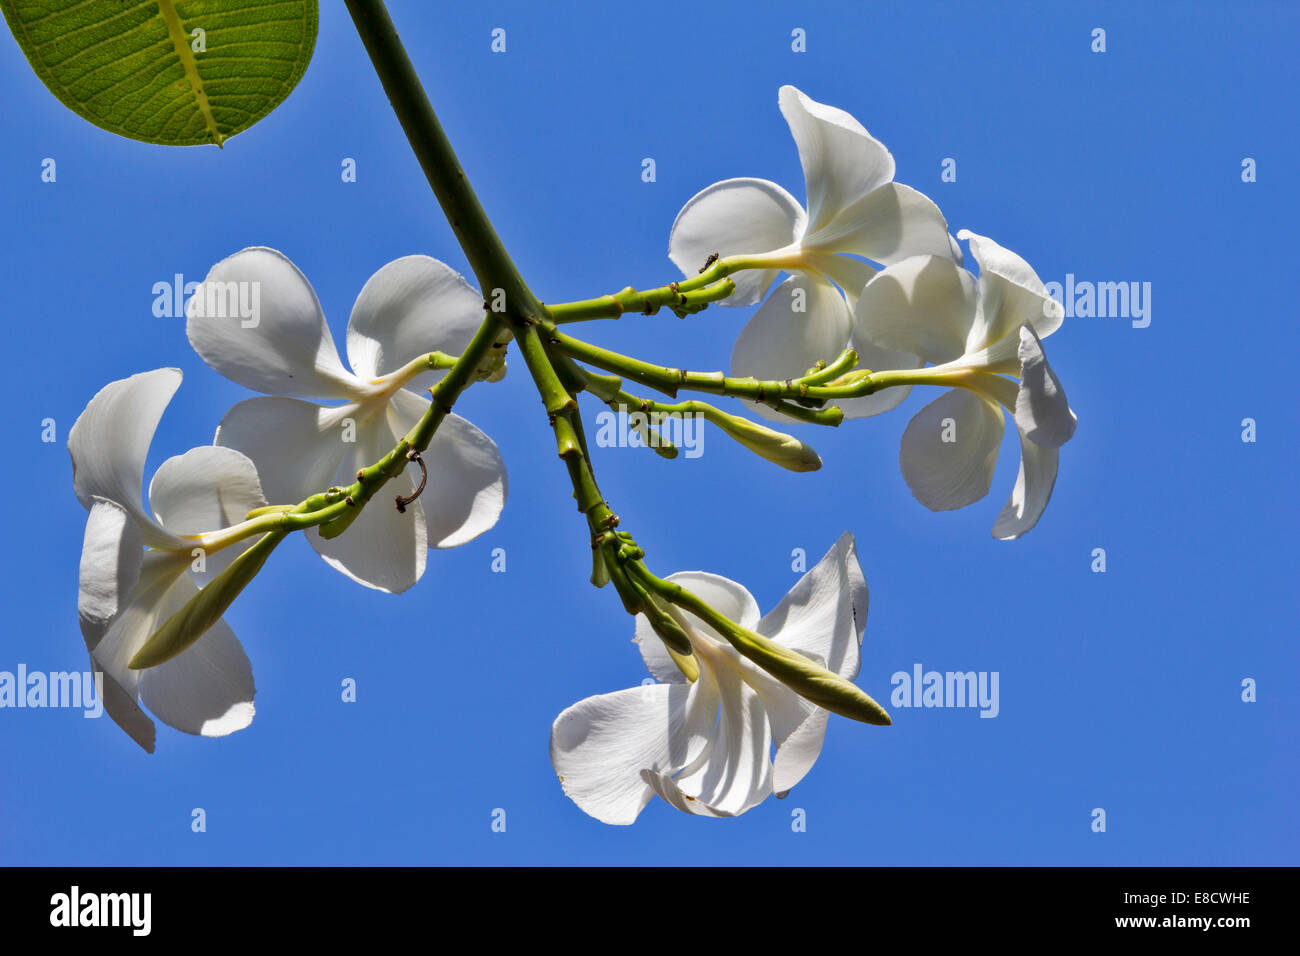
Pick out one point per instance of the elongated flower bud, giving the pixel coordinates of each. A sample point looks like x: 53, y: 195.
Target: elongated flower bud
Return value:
x: 777, y: 447
x: 808, y: 679
x: 203, y: 610
x: 669, y: 631
x: 801, y: 674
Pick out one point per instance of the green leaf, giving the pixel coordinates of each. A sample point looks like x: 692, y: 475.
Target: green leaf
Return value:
x: 176, y: 73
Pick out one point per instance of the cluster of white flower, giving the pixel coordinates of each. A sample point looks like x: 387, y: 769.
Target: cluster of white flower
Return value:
x: 872, y: 266
x: 919, y: 307
x: 277, y: 448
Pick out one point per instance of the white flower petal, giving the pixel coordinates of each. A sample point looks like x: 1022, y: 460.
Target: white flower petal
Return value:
x: 1042, y: 411
x: 111, y: 554
x: 206, y: 690
x: 125, y: 711
x: 1011, y: 295
x: 886, y: 225
x: 805, y: 320
x: 1032, y: 491
x: 296, y: 447
x: 411, y: 306
x: 600, y: 745
x: 797, y: 751
x: 736, y: 217
x: 110, y: 440
x: 733, y: 773
x: 841, y: 160
x: 954, y: 250
x: 944, y: 475
x: 382, y: 549
x: 111, y: 559
x: 283, y: 346
x: 994, y: 258
x: 822, y: 617
x: 663, y: 785
x: 923, y: 306
x: 139, y: 618
x: 467, y: 485
x: 824, y: 614
x: 205, y: 489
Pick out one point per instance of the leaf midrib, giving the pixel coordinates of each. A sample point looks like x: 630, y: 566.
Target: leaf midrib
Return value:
x: 180, y: 40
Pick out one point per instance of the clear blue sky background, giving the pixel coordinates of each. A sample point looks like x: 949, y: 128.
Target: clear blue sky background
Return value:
x: 1119, y: 690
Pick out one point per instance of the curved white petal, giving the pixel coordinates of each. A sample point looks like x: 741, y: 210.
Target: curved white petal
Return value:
x: 791, y: 723
x: 822, y: 617
x: 207, y: 689
x: 382, y: 549
x: 467, y: 485
x: 804, y: 320
x: 1032, y: 491
x: 110, y: 440
x: 411, y: 306
x: 295, y: 446
x: 255, y: 319
x: 1001, y: 261
x: 111, y: 558
x: 886, y: 225
x: 124, y: 710
x: 797, y: 751
x: 841, y: 160
x: 1011, y: 295
x: 824, y: 614
x: 1042, y: 411
x: 111, y: 554
x: 600, y: 746
x: 733, y: 772
x: 727, y: 597
x: 954, y: 250
x: 205, y: 489
x: 139, y: 618
x: 950, y: 448
x: 662, y: 784
x: 736, y: 217
x: 923, y: 306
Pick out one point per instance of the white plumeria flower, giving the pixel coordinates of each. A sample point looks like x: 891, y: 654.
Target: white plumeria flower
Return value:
x: 979, y: 330
x: 126, y: 592
x: 410, y: 307
x: 705, y: 747
x: 854, y: 209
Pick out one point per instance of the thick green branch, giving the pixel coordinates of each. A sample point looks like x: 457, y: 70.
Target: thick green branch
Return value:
x: 483, y: 248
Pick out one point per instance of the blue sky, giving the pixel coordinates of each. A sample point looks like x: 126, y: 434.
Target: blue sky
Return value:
x: 1119, y: 690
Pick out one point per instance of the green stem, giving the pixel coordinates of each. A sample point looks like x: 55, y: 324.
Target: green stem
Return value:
x: 722, y: 268
x: 483, y: 248
x: 819, y: 386
x: 645, y: 303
